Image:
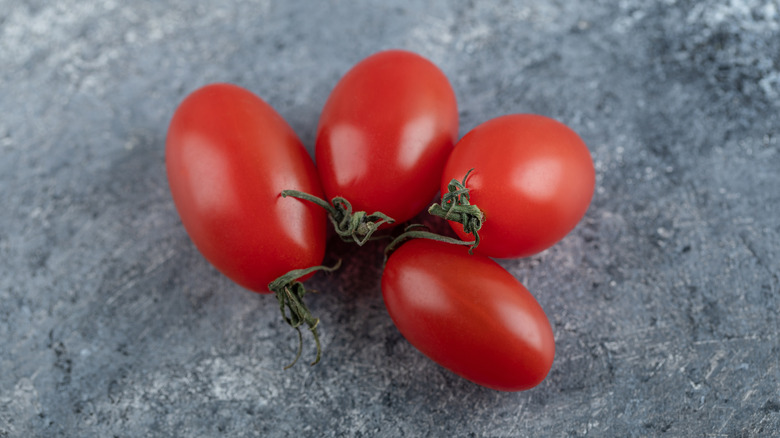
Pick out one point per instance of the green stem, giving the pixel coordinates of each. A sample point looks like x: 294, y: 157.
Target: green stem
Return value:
x: 289, y: 292
x: 455, y: 207
x: 351, y: 226
x: 417, y: 231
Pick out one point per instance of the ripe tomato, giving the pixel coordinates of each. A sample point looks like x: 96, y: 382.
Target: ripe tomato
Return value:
x: 385, y: 133
x: 533, y: 179
x: 228, y: 157
x: 468, y: 314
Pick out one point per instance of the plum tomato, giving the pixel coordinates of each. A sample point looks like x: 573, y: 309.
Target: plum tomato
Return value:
x: 385, y: 133
x: 468, y: 314
x: 532, y: 178
x: 228, y: 157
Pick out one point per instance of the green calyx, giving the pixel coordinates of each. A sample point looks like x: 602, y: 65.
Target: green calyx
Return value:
x: 290, y: 292
x: 455, y: 207
x: 357, y: 226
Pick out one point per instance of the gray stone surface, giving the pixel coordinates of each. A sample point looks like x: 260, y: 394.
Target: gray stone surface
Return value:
x: 664, y: 301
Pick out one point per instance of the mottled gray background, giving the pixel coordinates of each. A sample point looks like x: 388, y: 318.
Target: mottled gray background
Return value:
x: 664, y: 300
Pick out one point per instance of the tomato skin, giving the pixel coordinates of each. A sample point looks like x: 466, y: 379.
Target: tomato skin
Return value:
x: 533, y: 179
x: 468, y: 314
x: 228, y: 157
x: 385, y: 133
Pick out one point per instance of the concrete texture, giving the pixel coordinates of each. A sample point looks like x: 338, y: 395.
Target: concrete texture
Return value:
x: 664, y: 301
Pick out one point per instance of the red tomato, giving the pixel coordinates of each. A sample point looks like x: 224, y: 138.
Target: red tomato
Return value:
x: 533, y: 179
x: 385, y: 133
x: 468, y: 314
x: 228, y: 156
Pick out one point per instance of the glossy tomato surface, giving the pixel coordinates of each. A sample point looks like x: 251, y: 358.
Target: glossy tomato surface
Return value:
x: 385, y: 133
x: 533, y: 179
x: 228, y: 157
x: 468, y: 314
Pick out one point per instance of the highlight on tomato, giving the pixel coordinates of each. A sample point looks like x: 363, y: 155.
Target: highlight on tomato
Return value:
x: 383, y: 138
x: 468, y: 314
x: 516, y: 184
x: 228, y: 156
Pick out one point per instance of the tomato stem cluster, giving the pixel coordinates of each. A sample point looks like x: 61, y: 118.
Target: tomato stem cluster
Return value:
x: 351, y: 226
x: 359, y: 227
x: 455, y: 206
x: 289, y: 291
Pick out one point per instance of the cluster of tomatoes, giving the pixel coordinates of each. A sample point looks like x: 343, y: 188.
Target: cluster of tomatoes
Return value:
x: 257, y: 207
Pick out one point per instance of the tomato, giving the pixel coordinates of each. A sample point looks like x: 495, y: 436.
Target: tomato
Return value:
x: 385, y: 133
x: 228, y: 157
x: 468, y: 314
x: 533, y: 179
